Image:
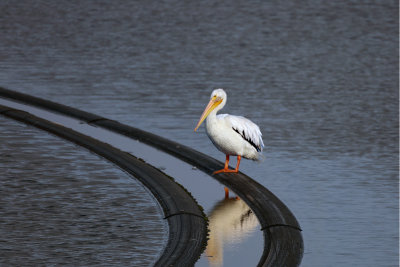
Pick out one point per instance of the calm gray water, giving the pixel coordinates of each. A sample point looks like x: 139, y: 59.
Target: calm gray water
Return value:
x: 61, y: 205
x: 319, y: 78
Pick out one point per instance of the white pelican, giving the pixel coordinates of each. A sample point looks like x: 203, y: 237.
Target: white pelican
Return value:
x: 233, y: 135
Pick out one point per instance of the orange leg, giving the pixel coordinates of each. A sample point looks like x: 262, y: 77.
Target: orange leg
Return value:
x: 226, y: 192
x: 226, y: 167
x: 238, y: 163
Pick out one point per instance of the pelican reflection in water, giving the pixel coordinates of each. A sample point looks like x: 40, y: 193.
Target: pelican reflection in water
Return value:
x: 230, y: 222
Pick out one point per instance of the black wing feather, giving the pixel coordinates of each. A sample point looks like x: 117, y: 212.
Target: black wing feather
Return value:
x: 243, y: 135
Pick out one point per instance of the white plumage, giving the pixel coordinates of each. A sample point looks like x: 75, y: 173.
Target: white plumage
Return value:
x: 233, y: 135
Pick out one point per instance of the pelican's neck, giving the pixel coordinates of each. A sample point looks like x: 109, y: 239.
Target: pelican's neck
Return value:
x: 213, y: 114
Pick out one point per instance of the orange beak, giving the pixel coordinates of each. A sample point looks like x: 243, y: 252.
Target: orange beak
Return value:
x: 210, y: 107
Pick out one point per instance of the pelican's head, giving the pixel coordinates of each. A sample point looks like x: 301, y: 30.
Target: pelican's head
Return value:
x: 217, y: 99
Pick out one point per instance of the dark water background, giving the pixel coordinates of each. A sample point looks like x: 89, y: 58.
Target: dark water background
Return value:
x: 319, y: 78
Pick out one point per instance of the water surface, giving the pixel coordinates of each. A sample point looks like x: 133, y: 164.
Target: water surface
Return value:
x: 319, y: 78
x: 61, y: 205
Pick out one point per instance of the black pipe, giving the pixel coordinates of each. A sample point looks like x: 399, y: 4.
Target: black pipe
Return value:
x: 283, y: 242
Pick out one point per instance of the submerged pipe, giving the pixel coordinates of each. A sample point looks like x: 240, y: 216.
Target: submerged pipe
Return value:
x: 283, y: 242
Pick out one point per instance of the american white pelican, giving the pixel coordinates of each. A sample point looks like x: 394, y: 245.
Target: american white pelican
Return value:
x: 233, y: 135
